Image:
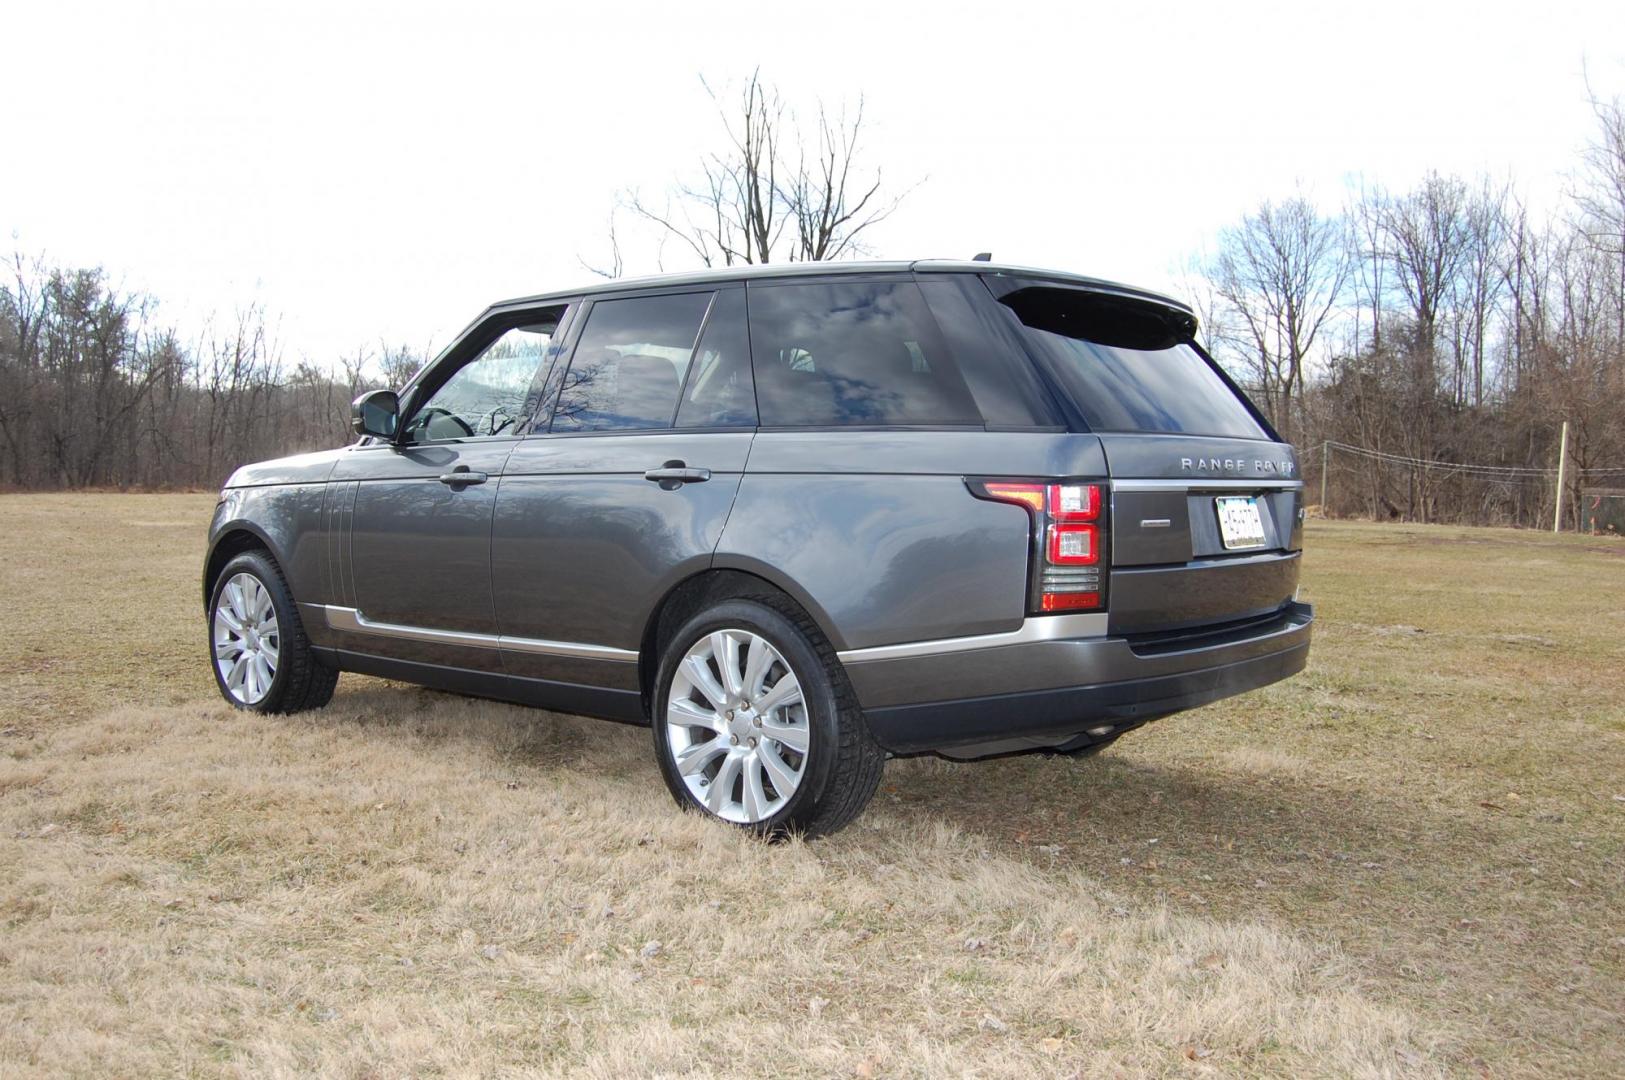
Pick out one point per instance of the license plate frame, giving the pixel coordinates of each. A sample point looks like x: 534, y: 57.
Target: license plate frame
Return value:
x: 1241, y: 523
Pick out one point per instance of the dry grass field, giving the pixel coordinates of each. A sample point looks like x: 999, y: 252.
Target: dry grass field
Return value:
x: 1408, y: 861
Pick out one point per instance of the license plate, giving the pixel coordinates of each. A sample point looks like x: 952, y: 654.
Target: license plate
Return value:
x: 1240, y: 525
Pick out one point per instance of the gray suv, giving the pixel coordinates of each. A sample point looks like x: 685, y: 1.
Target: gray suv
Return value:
x: 796, y: 519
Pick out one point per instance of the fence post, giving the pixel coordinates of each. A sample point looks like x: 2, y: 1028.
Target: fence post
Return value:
x: 1325, y: 466
x: 1562, y: 467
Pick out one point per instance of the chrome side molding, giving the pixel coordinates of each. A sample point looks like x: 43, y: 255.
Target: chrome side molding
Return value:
x: 351, y: 620
x: 1037, y: 628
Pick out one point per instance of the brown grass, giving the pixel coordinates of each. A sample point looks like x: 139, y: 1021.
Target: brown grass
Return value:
x: 1408, y: 861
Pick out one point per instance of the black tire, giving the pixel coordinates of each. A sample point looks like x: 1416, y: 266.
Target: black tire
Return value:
x: 843, y: 763
x: 300, y: 681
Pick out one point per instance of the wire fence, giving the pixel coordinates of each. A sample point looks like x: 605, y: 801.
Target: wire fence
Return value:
x: 1462, y: 467
x: 1361, y: 481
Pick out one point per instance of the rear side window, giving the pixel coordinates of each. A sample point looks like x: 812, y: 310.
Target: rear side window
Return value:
x: 1007, y: 390
x: 1127, y: 366
x: 853, y: 354
x: 629, y: 365
x: 719, y: 391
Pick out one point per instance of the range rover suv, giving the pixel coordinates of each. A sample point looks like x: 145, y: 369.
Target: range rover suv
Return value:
x: 795, y: 519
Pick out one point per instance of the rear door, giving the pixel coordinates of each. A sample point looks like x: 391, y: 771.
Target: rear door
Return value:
x: 1206, y: 508
x: 624, y: 490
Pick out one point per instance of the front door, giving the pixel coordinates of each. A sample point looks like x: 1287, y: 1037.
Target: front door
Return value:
x: 420, y: 539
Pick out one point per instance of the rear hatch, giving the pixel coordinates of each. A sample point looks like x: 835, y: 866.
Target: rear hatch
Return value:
x: 1205, y: 503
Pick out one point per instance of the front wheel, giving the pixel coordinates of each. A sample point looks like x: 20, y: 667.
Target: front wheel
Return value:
x: 262, y: 659
x: 754, y: 722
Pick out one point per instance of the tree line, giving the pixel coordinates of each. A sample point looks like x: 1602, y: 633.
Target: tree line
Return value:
x: 1442, y: 330
x: 95, y: 392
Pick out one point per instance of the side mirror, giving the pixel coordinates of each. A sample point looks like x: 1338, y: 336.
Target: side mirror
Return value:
x: 377, y: 412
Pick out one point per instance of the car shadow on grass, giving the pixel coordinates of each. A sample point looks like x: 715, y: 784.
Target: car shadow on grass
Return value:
x: 1093, y: 813
x: 525, y: 736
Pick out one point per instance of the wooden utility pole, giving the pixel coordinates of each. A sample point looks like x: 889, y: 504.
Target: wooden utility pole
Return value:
x: 1562, y: 467
x: 1325, y: 466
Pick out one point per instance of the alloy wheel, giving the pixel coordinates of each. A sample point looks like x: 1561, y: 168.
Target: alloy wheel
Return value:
x: 737, y: 727
x: 246, y: 639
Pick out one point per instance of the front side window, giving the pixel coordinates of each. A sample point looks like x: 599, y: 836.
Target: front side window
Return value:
x: 866, y: 353
x: 629, y: 365
x: 487, y: 395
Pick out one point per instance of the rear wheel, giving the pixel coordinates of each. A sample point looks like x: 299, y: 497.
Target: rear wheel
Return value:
x: 755, y: 724
x: 261, y: 658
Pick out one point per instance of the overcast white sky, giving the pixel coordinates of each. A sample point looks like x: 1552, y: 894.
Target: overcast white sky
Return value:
x: 386, y: 170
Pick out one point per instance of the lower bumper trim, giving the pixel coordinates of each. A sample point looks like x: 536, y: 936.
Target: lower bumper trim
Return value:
x: 909, y: 729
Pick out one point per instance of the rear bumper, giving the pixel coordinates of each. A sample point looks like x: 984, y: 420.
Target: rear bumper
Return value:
x: 1042, y: 693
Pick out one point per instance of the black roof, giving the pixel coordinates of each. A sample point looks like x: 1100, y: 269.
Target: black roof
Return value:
x: 770, y: 271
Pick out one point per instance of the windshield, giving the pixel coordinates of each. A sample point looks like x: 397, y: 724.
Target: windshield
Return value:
x: 1126, y: 367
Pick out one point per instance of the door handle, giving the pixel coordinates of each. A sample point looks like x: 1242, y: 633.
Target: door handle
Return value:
x: 461, y: 476
x: 674, y: 474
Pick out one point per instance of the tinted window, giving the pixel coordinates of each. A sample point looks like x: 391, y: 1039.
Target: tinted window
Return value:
x: 1002, y: 380
x: 1126, y: 365
x: 486, y: 396
x: 719, y: 391
x: 629, y: 365
x: 852, y: 354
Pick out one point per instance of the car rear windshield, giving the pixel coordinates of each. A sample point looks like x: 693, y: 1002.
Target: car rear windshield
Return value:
x: 1127, y: 365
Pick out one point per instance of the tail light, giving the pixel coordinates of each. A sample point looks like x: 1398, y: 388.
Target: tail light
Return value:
x: 1069, y: 528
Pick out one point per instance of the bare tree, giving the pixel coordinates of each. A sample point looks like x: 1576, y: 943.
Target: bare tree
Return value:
x: 1279, y: 276
x: 829, y: 202
x: 399, y: 363
x: 1428, y: 240
x: 774, y: 192
x: 1599, y: 194
x: 1478, y: 288
x: 616, y: 266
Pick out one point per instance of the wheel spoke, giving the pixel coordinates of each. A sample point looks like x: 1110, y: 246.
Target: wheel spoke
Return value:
x: 225, y: 615
x: 722, y: 785
x: 785, y: 779
x: 787, y: 691
x: 792, y: 735
x: 685, y: 713
x: 225, y: 650
x: 700, y: 675
x: 757, y: 661
x: 755, y: 799
x: 696, y: 756
x: 239, y: 669
x: 264, y: 610
x: 263, y: 671
x: 239, y: 605
x: 725, y: 651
